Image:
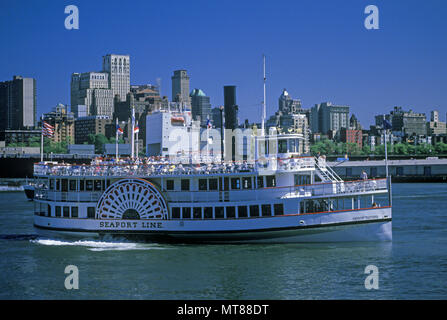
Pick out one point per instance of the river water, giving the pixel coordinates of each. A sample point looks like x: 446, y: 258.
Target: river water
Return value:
x: 412, y: 266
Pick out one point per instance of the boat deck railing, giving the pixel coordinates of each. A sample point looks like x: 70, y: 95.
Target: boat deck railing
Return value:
x: 166, y: 168
x: 262, y: 194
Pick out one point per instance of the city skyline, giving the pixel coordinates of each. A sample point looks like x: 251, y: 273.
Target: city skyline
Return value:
x: 320, y: 52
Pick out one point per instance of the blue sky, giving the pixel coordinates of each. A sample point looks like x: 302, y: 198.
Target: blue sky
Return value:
x: 318, y: 50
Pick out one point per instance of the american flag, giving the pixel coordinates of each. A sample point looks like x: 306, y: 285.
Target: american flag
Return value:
x: 47, y: 129
x: 118, y: 129
x: 208, y: 124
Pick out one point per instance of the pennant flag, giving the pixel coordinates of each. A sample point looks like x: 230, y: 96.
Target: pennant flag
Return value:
x: 136, y: 129
x: 118, y: 129
x: 47, y: 129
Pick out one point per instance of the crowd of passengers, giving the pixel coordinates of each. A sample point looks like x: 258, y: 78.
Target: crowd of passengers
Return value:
x: 165, y: 165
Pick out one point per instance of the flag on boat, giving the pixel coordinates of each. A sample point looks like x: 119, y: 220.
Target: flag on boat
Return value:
x: 118, y: 129
x: 208, y: 124
x: 136, y: 129
x: 47, y: 129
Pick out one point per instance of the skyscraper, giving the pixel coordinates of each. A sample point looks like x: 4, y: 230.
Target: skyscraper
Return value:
x: 91, y: 89
x: 200, y: 107
x: 326, y: 118
x: 230, y: 107
x: 180, y: 87
x: 18, y: 103
x: 118, y: 68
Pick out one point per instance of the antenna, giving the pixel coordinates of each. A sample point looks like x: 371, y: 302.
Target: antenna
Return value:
x: 264, y: 102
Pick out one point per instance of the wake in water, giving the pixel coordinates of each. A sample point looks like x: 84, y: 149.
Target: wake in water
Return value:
x: 93, y: 245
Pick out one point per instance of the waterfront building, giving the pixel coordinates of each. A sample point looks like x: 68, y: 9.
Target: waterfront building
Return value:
x: 290, y: 117
x: 171, y: 133
x: 18, y: 104
x: 327, y: 118
x: 180, y: 87
x: 352, y: 136
x: 434, y: 126
x: 230, y: 108
x: 217, y: 117
x: 63, y: 122
x: 91, y: 89
x: 200, y: 106
x: 145, y: 99
x: 118, y: 69
x: 408, y: 123
x: 20, y: 136
x: 90, y: 125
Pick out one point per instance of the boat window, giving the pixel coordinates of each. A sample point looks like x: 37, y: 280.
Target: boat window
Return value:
x: 300, y: 180
x: 349, y: 172
x: 219, y: 212
x: 202, y: 185
x: 278, y: 209
x: 98, y: 185
x: 81, y: 185
x: 91, y: 212
x: 89, y: 185
x: 58, y: 184
x: 169, y: 184
x: 208, y: 212
x: 64, y: 185
x: 74, y: 212
x: 58, y: 211
x: 266, y: 210
x: 51, y: 184
x: 197, y: 212
x: 254, y: 211
x: 271, y: 181
x: 260, y: 180
x: 231, y: 212
x: 235, y: 183
x: 242, y: 211
x: 175, y: 213
x: 66, y: 212
x: 213, y: 184
x: 72, y: 185
x: 185, y: 184
x: 186, y: 213
x: 49, y: 211
x: 282, y: 146
x: 246, y: 182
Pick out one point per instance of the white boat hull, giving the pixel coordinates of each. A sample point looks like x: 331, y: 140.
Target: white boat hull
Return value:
x: 355, y: 225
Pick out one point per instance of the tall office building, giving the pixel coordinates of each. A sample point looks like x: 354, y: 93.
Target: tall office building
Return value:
x: 200, y: 107
x: 327, y: 118
x: 230, y: 107
x: 18, y: 103
x: 118, y: 68
x: 91, y: 89
x: 180, y: 87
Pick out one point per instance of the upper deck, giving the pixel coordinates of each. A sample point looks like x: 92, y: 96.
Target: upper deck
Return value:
x: 177, y: 167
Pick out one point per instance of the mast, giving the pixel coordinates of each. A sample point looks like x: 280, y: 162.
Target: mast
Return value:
x: 132, y: 137
x: 263, y: 103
